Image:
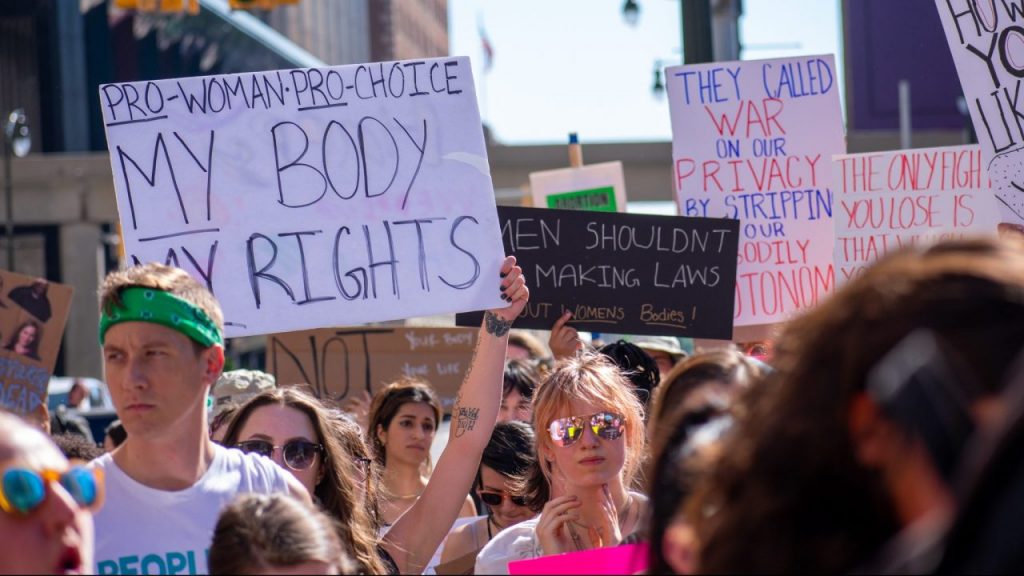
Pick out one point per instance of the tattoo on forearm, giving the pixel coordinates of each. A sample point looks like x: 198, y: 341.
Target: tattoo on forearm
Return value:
x: 496, y: 325
x: 465, y: 420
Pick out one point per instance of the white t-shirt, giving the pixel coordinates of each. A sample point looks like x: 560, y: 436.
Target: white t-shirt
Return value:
x: 140, y: 530
x: 519, y: 542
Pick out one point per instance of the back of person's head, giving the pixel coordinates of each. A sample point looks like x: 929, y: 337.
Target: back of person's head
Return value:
x: 510, y: 451
x: 689, y: 451
x: 385, y: 405
x: 174, y: 281
x: 115, y: 431
x: 790, y: 490
x: 77, y: 447
x: 262, y: 533
x: 721, y: 373
x: 533, y: 348
x: 592, y: 378
x: 636, y: 365
x: 521, y: 376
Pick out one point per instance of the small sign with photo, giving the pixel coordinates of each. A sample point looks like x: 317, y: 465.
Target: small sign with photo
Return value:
x: 33, y: 312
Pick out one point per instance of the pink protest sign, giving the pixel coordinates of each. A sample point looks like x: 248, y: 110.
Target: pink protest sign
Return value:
x: 888, y: 200
x: 629, y: 559
x: 752, y: 141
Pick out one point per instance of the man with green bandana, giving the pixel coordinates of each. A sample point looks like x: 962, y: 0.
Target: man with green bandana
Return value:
x: 162, y: 349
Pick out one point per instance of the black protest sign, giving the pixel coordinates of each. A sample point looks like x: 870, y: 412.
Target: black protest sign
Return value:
x: 624, y: 273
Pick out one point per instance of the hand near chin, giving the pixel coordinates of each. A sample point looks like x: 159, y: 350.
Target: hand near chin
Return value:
x: 607, y: 533
x: 553, y: 528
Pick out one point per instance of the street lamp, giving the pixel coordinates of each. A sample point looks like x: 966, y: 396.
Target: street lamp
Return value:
x: 17, y: 140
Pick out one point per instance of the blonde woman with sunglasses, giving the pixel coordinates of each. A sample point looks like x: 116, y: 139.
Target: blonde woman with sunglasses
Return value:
x: 590, y: 443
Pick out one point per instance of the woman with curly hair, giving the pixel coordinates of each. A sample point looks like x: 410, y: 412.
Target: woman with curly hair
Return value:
x: 830, y: 460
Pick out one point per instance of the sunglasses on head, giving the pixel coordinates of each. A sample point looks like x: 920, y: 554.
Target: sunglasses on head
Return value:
x: 297, y: 454
x: 566, y: 431
x: 494, y: 499
x: 23, y: 490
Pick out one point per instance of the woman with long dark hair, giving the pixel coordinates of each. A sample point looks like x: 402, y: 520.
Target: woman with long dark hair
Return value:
x: 414, y: 537
x: 403, y: 421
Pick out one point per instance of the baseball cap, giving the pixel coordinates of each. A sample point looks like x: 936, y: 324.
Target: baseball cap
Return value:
x: 666, y: 344
x: 238, y: 386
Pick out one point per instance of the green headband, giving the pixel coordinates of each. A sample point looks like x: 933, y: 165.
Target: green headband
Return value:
x: 148, y: 305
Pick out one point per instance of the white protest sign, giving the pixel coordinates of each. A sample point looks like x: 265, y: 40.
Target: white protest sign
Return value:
x: 753, y: 141
x: 312, y: 197
x: 888, y: 200
x: 599, y: 187
x: 987, y: 41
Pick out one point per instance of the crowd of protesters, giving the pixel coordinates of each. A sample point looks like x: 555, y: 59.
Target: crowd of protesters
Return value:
x: 881, y: 434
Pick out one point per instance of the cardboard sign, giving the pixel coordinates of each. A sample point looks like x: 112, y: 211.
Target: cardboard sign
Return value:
x: 753, y: 141
x: 338, y: 362
x: 33, y: 312
x: 626, y: 559
x: 627, y: 273
x: 987, y: 41
x: 598, y: 187
x: 888, y: 200
x: 314, y: 197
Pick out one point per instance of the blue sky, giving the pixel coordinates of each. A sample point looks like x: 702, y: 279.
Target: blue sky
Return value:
x: 575, y: 65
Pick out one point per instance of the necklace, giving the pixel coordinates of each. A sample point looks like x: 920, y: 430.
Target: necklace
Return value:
x: 407, y: 496
x: 623, y: 516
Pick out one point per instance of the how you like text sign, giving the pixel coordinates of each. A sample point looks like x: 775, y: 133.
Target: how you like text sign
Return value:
x: 987, y: 41
x: 311, y: 197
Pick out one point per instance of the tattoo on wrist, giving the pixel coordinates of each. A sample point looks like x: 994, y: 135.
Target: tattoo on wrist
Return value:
x: 465, y: 419
x: 495, y: 324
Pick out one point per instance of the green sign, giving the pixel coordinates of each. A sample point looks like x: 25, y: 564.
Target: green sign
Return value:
x: 594, y: 199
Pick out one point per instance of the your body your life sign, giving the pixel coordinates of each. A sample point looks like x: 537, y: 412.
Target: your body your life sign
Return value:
x: 888, y: 200
x: 312, y: 197
x: 753, y: 141
x: 987, y: 41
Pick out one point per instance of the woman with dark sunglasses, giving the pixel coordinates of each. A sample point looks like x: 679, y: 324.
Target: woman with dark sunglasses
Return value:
x: 45, y: 522
x: 590, y: 444
x: 415, y: 536
x: 507, y: 456
x: 297, y: 432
